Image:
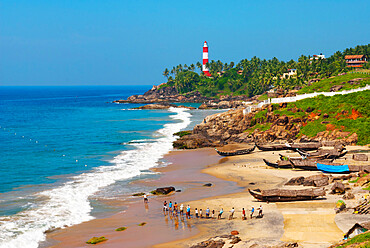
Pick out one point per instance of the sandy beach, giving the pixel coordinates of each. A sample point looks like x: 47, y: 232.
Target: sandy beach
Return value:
x: 310, y: 223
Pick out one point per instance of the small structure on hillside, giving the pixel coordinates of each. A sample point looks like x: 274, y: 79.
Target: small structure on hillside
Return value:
x: 320, y: 56
x: 355, y: 60
x: 290, y: 73
x: 357, y: 229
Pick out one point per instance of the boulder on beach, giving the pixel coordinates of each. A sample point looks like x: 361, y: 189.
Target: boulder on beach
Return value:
x: 163, y: 191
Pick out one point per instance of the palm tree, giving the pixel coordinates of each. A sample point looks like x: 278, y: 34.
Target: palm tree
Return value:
x: 199, y: 65
x: 166, y: 73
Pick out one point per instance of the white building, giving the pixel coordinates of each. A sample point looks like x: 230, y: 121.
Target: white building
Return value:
x: 320, y: 56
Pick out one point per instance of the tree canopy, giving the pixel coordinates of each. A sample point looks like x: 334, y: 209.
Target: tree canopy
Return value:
x: 255, y: 76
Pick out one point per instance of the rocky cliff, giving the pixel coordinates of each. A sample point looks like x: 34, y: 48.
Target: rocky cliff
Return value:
x: 264, y: 126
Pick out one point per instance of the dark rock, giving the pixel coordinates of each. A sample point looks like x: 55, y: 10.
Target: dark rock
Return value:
x: 163, y: 191
x: 209, y: 244
x: 338, y: 188
x: 336, y: 88
x: 348, y: 196
x: 325, y: 116
x: 309, y: 110
x: 178, y: 190
x: 235, y: 240
x: 207, y: 184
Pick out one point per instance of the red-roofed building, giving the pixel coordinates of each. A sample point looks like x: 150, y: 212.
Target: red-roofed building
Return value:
x: 355, y: 60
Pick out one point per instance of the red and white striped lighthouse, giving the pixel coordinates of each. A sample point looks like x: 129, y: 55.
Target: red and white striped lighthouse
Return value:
x: 205, y: 59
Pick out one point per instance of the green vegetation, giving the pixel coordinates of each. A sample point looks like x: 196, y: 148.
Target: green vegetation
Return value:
x: 325, y: 84
x: 256, y: 76
x: 354, y: 181
x: 96, y: 240
x: 312, y: 128
x: 348, y: 113
x: 142, y: 224
x: 361, y: 240
x: 121, y: 229
x: 182, y: 133
x: 260, y: 127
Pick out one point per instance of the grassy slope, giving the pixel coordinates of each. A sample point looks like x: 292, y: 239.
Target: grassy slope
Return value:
x: 360, y: 241
x: 326, y: 84
x: 339, y: 108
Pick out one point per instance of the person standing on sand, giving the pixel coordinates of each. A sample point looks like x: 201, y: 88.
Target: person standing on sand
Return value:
x: 220, y: 214
x: 165, y: 206
x: 170, y: 206
x: 213, y: 214
x: 175, y: 206
x: 243, y: 215
x: 201, y: 213
x: 182, y: 209
x: 207, y: 213
x: 196, y: 213
x: 145, y: 198
x: 252, y: 212
x: 188, y: 212
x: 232, y: 211
x: 260, y: 212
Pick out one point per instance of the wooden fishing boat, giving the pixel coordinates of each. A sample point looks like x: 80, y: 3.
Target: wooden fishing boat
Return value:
x: 279, y: 164
x: 282, y: 195
x: 236, y: 152
x: 330, y: 154
x: 311, y: 146
x: 319, y: 157
x: 272, y: 147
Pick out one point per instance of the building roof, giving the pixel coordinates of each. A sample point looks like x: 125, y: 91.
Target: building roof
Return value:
x: 354, y: 56
x: 356, y: 62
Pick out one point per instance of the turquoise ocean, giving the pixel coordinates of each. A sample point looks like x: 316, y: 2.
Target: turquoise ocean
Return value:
x: 62, y: 148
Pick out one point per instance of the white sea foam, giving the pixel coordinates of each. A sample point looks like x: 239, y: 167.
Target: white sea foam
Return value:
x: 69, y: 204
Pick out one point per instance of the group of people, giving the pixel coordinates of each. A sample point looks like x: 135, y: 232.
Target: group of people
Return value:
x: 174, y: 209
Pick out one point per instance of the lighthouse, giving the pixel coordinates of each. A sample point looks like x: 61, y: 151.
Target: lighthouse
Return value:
x: 205, y: 59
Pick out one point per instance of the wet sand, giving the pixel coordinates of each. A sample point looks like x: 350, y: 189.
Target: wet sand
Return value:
x: 184, y: 174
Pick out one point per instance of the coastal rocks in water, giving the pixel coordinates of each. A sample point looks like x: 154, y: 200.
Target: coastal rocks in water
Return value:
x: 157, y: 106
x: 163, y: 191
x: 162, y: 106
x: 192, y: 141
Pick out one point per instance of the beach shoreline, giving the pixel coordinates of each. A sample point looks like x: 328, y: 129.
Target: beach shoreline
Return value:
x: 302, y: 222
x: 179, y: 174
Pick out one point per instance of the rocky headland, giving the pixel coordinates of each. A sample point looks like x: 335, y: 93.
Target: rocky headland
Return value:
x: 302, y: 121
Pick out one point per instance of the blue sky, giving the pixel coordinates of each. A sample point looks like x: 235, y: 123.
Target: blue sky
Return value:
x: 131, y: 42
